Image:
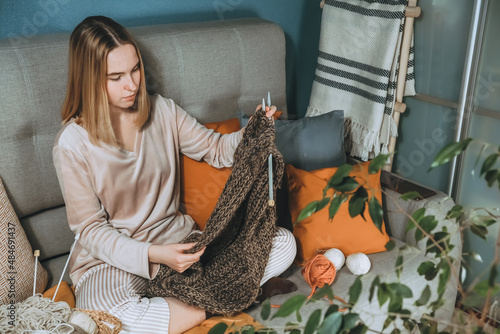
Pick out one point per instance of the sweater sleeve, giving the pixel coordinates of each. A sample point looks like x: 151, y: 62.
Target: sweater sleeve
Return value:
x: 200, y: 143
x: 88, y: 218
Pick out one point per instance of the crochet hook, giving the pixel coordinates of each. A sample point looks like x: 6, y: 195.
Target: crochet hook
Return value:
x: 270, y: 159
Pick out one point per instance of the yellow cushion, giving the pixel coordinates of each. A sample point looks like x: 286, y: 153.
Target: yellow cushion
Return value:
x: 317, y: 233
x: 202, y: 184
x: 64, y: 294
x: 235, y: 322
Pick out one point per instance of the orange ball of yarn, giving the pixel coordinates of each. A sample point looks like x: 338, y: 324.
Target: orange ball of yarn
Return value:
x: 318, y: 271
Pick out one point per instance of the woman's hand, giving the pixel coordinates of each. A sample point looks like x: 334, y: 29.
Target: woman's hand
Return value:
x: 269, y: 110
x: 269, y: 114
x: 173, y: 255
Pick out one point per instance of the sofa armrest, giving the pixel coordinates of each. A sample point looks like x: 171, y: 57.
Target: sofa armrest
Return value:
x: 398, y: 212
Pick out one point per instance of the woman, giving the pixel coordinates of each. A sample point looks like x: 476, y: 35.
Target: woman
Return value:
x: 116, y: 158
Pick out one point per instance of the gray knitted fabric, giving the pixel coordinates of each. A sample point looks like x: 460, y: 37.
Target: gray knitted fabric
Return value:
x: 238, y: 235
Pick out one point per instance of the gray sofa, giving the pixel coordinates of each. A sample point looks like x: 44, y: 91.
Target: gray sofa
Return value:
x: 211, y: 69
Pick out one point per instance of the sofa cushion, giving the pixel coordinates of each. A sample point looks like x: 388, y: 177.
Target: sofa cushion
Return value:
x: 202, y: 184
x: 17, y: 262
x: 311, y: 143
x: 317, y: 232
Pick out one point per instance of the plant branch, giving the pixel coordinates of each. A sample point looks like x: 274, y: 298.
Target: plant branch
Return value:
x: 496, y: 261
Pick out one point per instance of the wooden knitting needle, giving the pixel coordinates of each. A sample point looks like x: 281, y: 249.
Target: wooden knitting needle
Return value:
x: 66, y: 265
x: 36, y: 254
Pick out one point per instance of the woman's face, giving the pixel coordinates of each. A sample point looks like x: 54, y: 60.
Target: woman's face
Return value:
x: 123, y: 77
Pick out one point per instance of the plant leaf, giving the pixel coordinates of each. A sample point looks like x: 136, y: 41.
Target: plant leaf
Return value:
x: 355, y: 290
x: 375, y: 284
x: 378, y: 163
x: 376, y: 212
x: 348, y: 184
x: 482, y: 288
x: 488, y: 163
x: 308, y: 210
x: 491, y: 176
x: 442, y: 239
x: 480, y: 231
x: 428, y: 223
x: 325, y: 291
x: 483, y: 148
x: 443, y: 277
x: 417, y: 216
x: 382, y: 294
x: 357, y: 203
x: 424, y: 267
x: 359, y: 329
x: 456, y: 212
x: 473, y: 300
x: 400, y: 290
x: 342, y: 172
x: 220, y: 328
x: 331, y: 309
x: 424, y: 297
x: 410, y: 195
x: 493, y: 275
x: 266, y: 309
x: 323, y: 203
x: 428, y: 270
x: 248, y: 329
x: 291, y: 305
x: 350, y: 321
x: 331, y: 324
x: 334, y: 206
x: 395, y: 303
x: 449, y: 152
x: 313, y: 322
x: 399, y: 265
x: 390, y: 245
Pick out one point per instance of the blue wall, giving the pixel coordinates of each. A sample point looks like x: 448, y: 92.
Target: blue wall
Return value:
x: 300, y: 19
x: 440, y: 42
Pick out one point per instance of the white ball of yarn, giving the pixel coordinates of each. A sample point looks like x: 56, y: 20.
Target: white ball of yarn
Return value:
x: 336, y: 257
x: 83, y: 323
x: 358, y: 263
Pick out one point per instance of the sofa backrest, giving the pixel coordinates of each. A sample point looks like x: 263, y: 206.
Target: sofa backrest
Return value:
x: 212, y: 69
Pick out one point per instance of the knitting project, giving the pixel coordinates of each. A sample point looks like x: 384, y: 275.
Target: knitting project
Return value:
x: 238, y: 235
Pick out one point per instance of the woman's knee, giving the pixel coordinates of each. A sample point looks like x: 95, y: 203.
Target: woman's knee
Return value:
x: 287, y: 245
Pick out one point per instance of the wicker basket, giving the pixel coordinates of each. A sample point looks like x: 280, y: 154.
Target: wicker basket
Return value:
x: 101, y: 318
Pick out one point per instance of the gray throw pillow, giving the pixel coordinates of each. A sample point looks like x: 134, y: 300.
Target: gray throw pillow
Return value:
x: 311, y: 143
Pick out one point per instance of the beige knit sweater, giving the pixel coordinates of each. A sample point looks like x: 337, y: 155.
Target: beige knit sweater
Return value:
x: 121, y: 202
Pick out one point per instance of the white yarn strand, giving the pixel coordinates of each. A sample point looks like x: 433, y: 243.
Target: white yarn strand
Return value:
x: 36, y: 314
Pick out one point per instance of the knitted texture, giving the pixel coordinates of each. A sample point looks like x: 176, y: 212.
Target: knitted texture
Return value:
x: 238, y: 235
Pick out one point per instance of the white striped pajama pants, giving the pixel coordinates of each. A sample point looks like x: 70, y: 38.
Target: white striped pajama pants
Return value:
x: 121, y: 294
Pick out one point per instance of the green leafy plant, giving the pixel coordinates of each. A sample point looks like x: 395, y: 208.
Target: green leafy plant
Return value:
x: 438, y: 243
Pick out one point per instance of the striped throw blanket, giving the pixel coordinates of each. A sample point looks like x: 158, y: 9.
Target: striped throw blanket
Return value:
x: 357, y: 70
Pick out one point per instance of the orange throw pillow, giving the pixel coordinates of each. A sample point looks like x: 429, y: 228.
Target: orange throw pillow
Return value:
x: 65, y: 293
x: 202, y: 184
x: 317, y: 233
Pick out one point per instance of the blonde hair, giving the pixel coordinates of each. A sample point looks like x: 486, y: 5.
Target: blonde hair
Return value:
x: 86, y: 96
